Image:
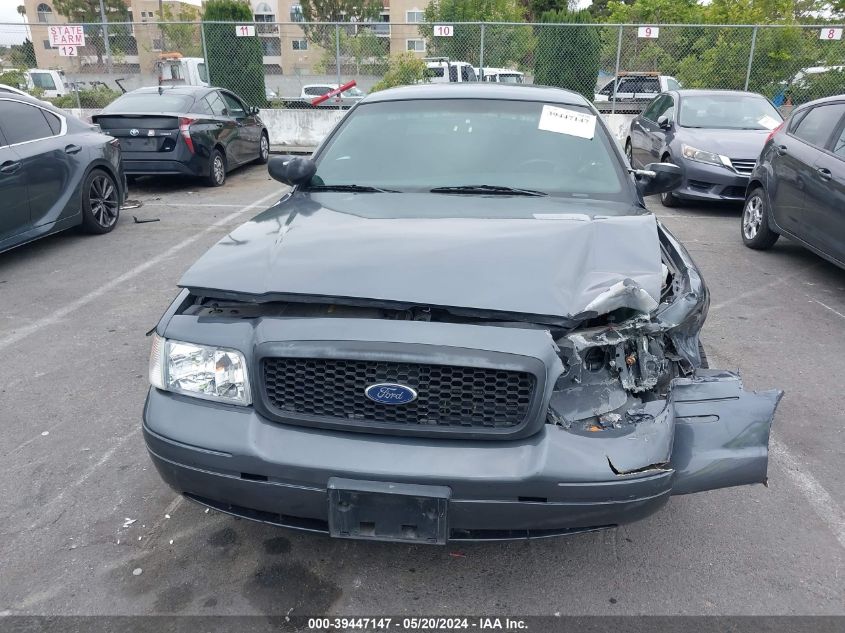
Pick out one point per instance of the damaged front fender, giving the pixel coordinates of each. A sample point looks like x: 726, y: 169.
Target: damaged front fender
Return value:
x: 721, y: 432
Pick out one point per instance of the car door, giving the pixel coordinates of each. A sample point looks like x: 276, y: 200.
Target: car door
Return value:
x: 654, y: 135
x: 14, y: 210
x: 225, y: 128
x: 50, y: 160
x: 643, y: 128
x: 793, y: 167
x: 241, y: 143
x: 824, y: 203
x: 250, y: 127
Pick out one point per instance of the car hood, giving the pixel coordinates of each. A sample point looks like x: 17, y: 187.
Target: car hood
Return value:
x: 535, y: 256
x: 741, y: 144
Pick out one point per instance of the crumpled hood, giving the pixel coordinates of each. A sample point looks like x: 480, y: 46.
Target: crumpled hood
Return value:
x: 471, y: 252
x: 740, y: 144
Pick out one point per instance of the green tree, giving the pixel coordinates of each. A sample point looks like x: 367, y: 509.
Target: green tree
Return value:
x: 234, y: 62
x: 88, y: 12
x: 363, y: 52
x: 404, y: 69
x: 503, y: 45
x: 315, y: 12
x: 180, y: 35
x: 23, y: 55
x: 568, y: 56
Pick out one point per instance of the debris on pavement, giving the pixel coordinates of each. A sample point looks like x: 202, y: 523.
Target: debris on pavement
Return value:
x: 127, y: 521
x: 131, y: 204
x: 145, y: 220
x: 137, y: 571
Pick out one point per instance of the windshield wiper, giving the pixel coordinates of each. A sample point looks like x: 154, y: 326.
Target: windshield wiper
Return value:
x: 352, y: 188
x: 498, y: 190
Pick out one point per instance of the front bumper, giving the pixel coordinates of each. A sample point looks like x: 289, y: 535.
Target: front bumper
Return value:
x: 711, y: 182
x: 709, y: 434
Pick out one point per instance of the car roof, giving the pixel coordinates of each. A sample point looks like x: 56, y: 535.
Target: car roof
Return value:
x: 25, y: 98
x: 178, y: 90
x: 479, y: 90
x: 700, y: 92
x: 815, y: 102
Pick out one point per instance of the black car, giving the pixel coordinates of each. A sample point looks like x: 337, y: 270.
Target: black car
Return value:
x: 798, y: 186
x: 714, y: 136
x: 460, y: 323
x: 55, y: 172
x: 189, y: 130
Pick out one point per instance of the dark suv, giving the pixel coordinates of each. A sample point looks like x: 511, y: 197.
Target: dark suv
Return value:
x: 797, y: 188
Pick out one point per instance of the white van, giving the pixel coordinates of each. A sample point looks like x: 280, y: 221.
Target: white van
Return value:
x: 500, y: 75
x: 174, y: 70
x: 442, y: 71
x: 52, y: 82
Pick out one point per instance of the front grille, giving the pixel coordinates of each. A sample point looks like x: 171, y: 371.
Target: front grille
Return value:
x: 743, y: 166
x: 472, y: 398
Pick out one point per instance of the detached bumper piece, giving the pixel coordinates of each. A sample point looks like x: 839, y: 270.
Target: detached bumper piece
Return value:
x: 709, y: 433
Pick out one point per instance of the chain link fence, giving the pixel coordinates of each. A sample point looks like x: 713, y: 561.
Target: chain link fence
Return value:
x: 287, y: 64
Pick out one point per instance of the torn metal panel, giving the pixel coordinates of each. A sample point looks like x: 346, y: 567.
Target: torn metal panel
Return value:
x: 721, y: 432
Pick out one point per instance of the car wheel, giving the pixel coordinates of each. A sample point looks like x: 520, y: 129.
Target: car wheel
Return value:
x: 629, y: 154
x: 755, y: 229
x: 216, y: 169
x: 668, y: 198
x: 100, y: 202
x: 263, y: 149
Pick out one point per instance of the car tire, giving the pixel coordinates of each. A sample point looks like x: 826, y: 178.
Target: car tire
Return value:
x: 263, y: 149
x: 216, y: 169
x: 100, y: 202
x: 754, y: 226
x: 669, y: 199
x: 629, y: 153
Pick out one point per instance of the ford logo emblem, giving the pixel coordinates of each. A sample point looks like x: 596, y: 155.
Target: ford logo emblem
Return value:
x: 390, y: 393
x: 134, y: 132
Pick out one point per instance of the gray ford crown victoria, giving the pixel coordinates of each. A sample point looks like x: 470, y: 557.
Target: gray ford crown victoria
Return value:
x: 460, y: 323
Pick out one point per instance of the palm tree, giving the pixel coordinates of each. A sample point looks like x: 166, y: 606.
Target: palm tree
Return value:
x: 22, y: 13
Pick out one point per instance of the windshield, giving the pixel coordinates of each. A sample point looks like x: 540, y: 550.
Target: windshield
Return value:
x: 425, y: 144
x: 151, y: 102
x: 728, y: 112
x: 354, y: 91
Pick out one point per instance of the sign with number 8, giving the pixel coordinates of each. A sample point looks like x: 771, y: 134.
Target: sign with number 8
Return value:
x: 830, y: 34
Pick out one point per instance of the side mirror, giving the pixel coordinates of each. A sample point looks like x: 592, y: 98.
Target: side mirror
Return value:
x: 658, y: 178
x: 292, y: 170
x: 664, y: 123
x: 253, y: 110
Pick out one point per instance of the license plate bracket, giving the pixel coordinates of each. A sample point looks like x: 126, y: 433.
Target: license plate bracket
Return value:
x: 383, y: 511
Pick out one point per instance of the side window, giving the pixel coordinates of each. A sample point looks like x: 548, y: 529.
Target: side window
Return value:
x: 215, y: 103
x: 53, y: 121
x: 626, y: 85
x: 434, y: 72
x: 453, y: 73
x: 203, y: 72
x: 839, y: 145
x: 672, y: 84
x: 236, y: 108
x: 23, y: 122
x: 649, y: 85
x: 608, y: 89
x: 815, y: 128
x: 43, y: 81
x: 651, y: 112
x: 667, y: 109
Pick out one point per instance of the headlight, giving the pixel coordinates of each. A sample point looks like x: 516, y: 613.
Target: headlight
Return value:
x: 213, y: 373
x: 699, y: 155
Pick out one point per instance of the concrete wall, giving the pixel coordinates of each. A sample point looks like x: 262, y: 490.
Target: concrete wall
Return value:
x: 303, y: 130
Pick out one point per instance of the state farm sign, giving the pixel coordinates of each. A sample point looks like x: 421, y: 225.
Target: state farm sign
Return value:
x: 67, y: 35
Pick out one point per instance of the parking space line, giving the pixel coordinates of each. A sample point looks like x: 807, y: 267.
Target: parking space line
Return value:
x: 820, y: 499
x: 827, y: 307
x: 760, y: 290
x: 191, y: 204
x: 62, y: 312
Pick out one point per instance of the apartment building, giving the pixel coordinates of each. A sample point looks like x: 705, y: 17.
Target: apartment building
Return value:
x: 135, y: 46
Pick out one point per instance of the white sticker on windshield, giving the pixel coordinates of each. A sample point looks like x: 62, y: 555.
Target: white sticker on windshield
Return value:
x: 571, y: 122
x: 768, y: 122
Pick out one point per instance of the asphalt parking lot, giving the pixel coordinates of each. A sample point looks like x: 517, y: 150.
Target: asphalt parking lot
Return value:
x: 82, y: 506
